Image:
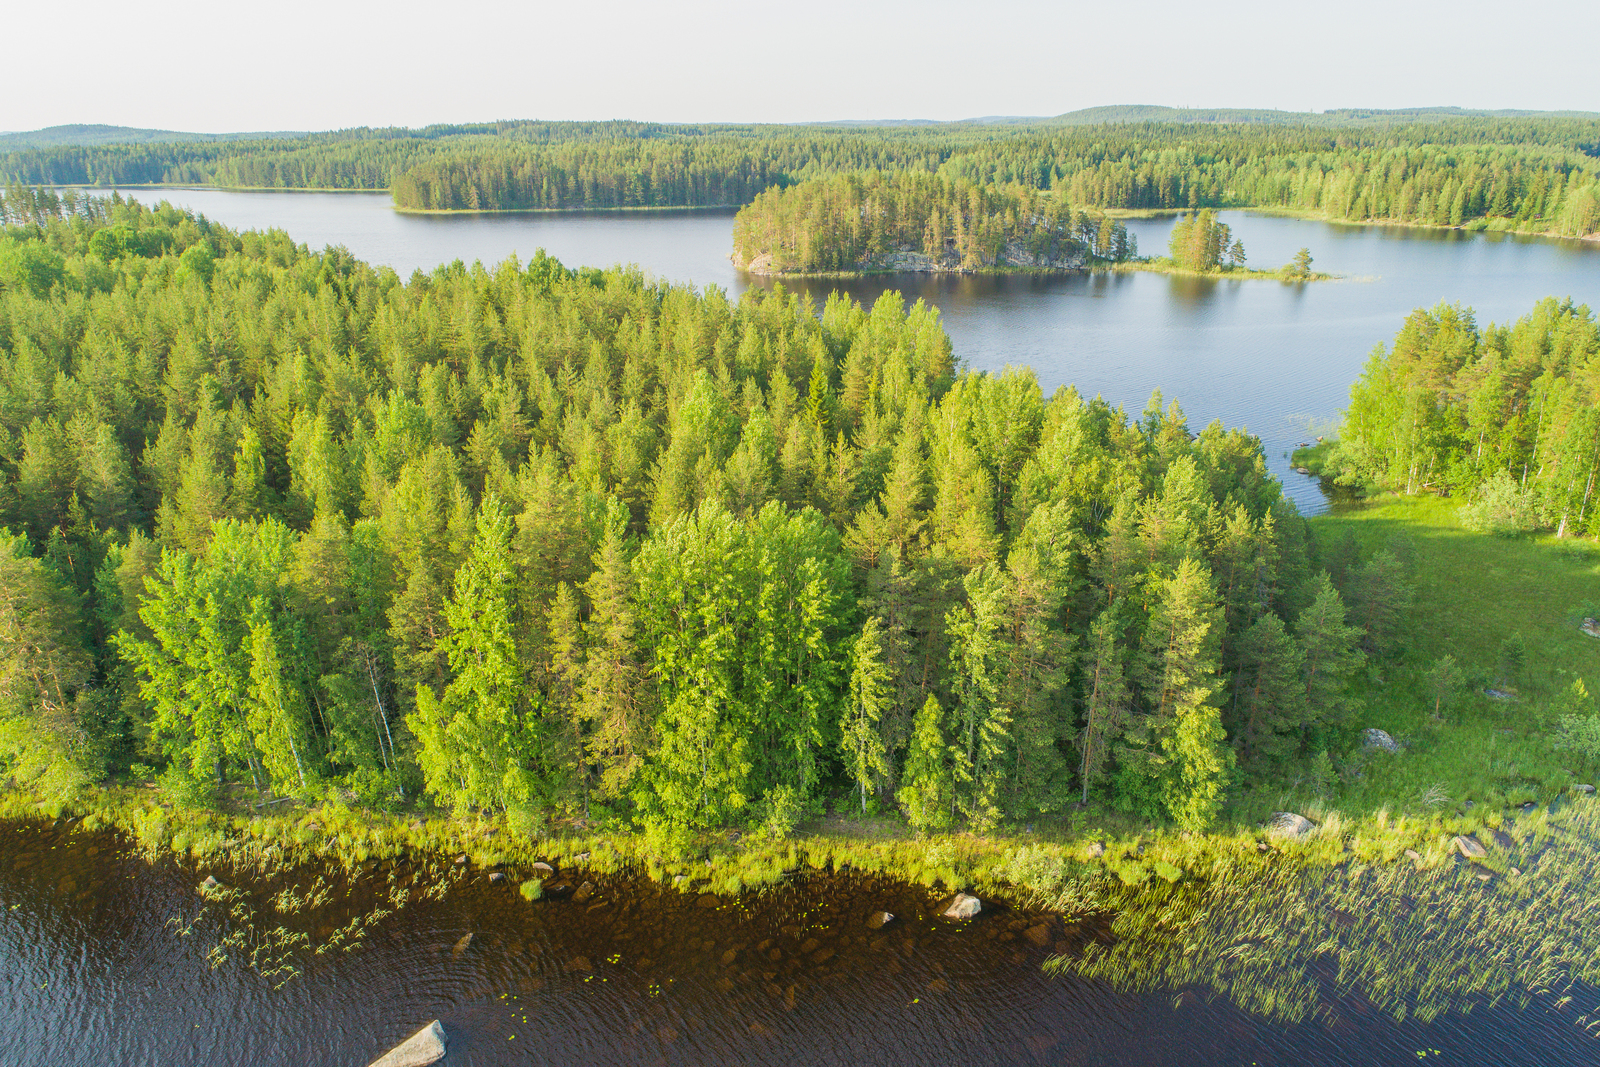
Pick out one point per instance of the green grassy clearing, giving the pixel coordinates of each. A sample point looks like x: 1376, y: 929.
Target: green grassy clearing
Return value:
x: 1473, y: 591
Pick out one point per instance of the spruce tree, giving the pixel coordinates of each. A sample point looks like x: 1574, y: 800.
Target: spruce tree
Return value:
x: 927, y: 790
x: 861, y: 744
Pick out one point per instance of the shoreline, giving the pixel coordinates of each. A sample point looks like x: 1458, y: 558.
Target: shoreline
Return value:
x: 1067, y: 870
x: 1150, y: 266
x: 1481, y: 224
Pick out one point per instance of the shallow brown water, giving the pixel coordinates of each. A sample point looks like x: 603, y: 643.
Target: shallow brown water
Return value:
x: 98, y: 969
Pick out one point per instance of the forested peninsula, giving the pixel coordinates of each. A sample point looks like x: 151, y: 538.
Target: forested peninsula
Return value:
x: 537, y: 541
x: 912, y: 222
x: 1526, y: 173
x: 525, y: 548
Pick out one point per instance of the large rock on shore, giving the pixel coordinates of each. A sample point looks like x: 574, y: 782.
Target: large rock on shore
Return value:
x: 964, y: 906
x: 1289, y: 824
x: 420, y: 1049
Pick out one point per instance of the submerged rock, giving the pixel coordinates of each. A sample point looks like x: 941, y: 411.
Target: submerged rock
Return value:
x: 964, y: 906
x: 1289, y: 824
x: 420, y: 1049
x: 461, y: 946
x: 1375, y: 738
x: 1470, y: 847
x: 1039, y: 934
x: 583, y: 893
x: 879, y: 919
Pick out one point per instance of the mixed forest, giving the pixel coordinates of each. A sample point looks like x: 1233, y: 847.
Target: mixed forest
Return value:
x: 1525, y: 173
x: 852, y: 223
x: 1507, y: 415
x: 539, y: 540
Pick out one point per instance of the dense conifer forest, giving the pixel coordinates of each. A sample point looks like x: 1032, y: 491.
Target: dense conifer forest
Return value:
x: 852, y: 222
x: 1531, y: 173
x: 540, y: 540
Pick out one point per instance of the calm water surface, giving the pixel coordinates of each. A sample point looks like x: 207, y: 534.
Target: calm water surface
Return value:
x: 99, y: 969
x: 1277, y: 359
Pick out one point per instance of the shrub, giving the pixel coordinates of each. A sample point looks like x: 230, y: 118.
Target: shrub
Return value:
x: 1502, y: 507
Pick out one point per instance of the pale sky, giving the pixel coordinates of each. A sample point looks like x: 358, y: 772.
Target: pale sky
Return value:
x: 326, y: 64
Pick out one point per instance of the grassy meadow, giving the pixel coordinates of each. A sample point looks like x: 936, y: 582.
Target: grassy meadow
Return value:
x: 1474, y: 592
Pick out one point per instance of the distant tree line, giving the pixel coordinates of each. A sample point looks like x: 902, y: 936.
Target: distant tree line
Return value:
x: 1530, y: 173
x: 542, y: 540
x: 850, y: 221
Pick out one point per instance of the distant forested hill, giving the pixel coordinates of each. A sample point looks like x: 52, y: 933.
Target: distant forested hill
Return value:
x: 79, y: 135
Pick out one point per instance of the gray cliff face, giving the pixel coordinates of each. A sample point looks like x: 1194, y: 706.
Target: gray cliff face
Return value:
x: 1016, y: 256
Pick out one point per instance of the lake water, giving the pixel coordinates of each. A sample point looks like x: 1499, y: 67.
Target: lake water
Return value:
x: 1275, y: 358
x: 109, y: 960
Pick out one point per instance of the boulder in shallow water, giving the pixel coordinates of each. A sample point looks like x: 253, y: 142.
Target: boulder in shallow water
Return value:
x: 420, y: 1049
x: 497, y: 876
x: 543, y: 870
x: 1289, y: 824
x: 964, y: 906
x: 210, y: 885
x: 879, y: 919
x: 1470, y: 847
x: 1376, y: 738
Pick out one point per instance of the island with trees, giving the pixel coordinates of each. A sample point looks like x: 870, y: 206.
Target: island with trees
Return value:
x: 915, y: 222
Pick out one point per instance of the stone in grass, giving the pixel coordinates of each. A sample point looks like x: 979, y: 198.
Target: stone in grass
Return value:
x: 1586, y: 790
x: 1376, y: 738
x: 964, y: 906
x: 210, y: 885
x: 1288, y: 824
x: 420, y: 1049
x: 1590, y: 627
x: 1470, y: 847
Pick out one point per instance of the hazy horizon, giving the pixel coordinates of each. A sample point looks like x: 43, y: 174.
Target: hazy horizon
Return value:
x: 185, y: 66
